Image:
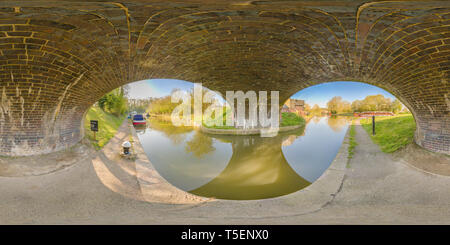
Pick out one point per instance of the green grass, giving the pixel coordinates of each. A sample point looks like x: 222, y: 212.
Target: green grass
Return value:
x: 107, y: 126
x: 291, y: 119
x: 351, y: 144
x: 391, y: 133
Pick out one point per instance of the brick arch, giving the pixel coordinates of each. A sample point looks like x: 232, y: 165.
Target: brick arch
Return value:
x: 58, y: 58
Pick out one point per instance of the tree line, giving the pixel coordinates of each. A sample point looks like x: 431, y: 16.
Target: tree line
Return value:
x: 163, y: 105
x: 371, y: 103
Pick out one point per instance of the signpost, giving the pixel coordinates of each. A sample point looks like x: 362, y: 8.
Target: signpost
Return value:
x: 94, y: 127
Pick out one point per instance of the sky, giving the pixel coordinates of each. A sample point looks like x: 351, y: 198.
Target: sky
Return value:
x: 156, y: 88
x: 318, y: 94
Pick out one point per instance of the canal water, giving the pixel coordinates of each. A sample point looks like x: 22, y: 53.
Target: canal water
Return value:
x: 242, y: 167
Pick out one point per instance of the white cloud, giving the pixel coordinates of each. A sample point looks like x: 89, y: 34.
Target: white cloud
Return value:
x: 141, y: 90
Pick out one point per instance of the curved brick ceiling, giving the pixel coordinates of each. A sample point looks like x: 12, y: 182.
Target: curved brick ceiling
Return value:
x: 58, y: 58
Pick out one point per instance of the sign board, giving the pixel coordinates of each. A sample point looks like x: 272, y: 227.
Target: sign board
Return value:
x: 94, y: 125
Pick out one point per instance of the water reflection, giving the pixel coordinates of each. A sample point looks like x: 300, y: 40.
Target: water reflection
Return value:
x: 200, y: 144
x: 312, y: 153
x: 337, y: 123
x: 242, y: 167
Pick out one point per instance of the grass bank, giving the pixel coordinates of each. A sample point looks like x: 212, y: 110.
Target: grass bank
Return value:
x: 107, y: 126
x: 291, y: 119
x: 351, y: 143
x: 391, y: 132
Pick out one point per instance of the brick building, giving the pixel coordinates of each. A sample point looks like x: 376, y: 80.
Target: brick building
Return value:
x: 294, y: 106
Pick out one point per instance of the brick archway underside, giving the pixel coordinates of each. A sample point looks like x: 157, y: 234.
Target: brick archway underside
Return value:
x: 58, y: 58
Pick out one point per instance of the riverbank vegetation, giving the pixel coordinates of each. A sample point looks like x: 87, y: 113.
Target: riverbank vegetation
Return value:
x: 351, y: 143
x: 139, y: 105
x: 291, y: 119
x: 114, y: 102
x: 391, y: 132
x: 163, y: 107
x: 108, y: 124
x: 110, y: 112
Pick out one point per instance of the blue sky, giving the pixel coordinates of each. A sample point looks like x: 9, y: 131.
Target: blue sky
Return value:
x: 317, y: 94
x: 320, y: 94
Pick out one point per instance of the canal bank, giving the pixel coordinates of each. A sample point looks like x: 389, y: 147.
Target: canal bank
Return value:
x: 310, y: 199
x: 105, y: 190
x: 242, y: 167
x: 251, y: 131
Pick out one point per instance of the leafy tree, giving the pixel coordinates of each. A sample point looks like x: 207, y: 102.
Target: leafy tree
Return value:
x: 102, y: 102
x: 307, y: 107
x: 164, y: 105
x: 115, y: 102
x: 376, y: 103
x: 316, y: 110
x: 356, y: 105
x: 396, y: 106
x: 337, y: 105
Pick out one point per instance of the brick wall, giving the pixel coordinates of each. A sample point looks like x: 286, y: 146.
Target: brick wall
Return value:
x: 58, y: 58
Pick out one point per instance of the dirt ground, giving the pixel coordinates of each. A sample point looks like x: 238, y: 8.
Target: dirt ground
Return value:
x: 425, y: 160
x: 46, y: 163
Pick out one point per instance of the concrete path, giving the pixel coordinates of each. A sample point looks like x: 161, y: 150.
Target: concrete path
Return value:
x: 105, y: 189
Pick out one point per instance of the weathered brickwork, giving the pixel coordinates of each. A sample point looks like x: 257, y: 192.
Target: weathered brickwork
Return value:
x: 58, y: 57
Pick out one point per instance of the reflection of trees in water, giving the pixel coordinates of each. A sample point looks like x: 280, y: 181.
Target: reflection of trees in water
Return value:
x: 176, y: 134
x: 200, y: 144
x: 337, y: 123
x: 290, y: 137
x: 257, y: 169
x: 316, y: 119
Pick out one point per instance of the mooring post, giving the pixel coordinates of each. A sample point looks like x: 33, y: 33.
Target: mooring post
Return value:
x: 373, y: 125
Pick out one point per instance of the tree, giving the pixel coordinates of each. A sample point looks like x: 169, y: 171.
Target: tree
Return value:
x: 374, y: 103
x: 337, y: 105
x: 346, y: 107
x: 307, y: 107
x: 115, y: 102
x: 396, y: 106
x: 356, y: 105
x: 316, y: 110
x: 333, y: 104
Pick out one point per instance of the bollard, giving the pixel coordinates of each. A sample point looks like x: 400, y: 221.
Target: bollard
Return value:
x: 126, y: 147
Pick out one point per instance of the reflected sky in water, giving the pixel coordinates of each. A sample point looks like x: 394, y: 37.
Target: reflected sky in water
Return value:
x: 311, y: 154
x: 242, y: 167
